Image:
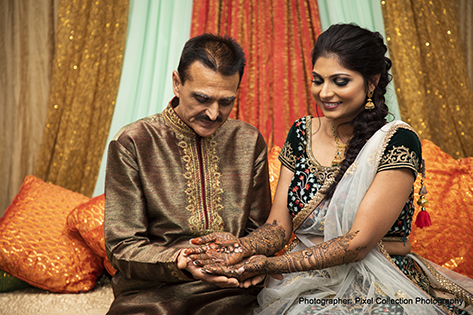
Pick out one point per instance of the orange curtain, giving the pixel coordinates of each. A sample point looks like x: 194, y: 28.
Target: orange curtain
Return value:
x: 278, y: 37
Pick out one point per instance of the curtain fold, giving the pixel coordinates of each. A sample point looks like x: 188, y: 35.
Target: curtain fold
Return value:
x: 367, y: 14
x: 157, y: 32
x: 27, y: 31
x: 465, y: 19
x: 430, y: 72
x: 90, y: 40
x: 278, y: 37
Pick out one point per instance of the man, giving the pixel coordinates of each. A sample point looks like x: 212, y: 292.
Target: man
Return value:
x: 185, y: 172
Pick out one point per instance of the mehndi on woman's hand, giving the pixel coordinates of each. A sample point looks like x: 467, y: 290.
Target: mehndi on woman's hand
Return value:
x: 221, y: 248
x: 248, y: 268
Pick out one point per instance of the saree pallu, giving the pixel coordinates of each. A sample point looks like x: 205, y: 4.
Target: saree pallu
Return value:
x: 371, y: 286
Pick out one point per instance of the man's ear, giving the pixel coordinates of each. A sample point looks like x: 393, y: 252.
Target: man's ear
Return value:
x: 176, y: 83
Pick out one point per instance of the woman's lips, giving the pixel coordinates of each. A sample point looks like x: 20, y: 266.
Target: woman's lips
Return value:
x: 331, y: 105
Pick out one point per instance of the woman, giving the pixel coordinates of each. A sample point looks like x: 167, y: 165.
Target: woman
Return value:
x: 350, y: 199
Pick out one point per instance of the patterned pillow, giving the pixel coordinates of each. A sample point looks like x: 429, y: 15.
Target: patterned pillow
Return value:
x: 37, y: 247
x: 449, y: 182
x: 88, y: 220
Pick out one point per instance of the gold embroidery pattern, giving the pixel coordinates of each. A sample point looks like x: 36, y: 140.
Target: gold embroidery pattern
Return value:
x: 390, y: 134
x: 352, y: 168
x: 203, y: 193
x: 373, y: 158
x: 175, y: 122
x: 398, y: 156
x: 447, y: 285
x: 213, y: 190
x: 287, y: 156
x: 204, y: 217
x: 325, y: 175
x: 308, y: 208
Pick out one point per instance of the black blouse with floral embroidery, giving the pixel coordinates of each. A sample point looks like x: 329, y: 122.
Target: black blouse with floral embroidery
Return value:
x: 403, y: 151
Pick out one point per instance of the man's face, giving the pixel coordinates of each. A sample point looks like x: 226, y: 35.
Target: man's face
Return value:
x: 206, y: 99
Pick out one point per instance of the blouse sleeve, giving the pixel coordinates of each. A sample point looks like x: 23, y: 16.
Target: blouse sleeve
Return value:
x: 403, y: 151
x: 288, y: 153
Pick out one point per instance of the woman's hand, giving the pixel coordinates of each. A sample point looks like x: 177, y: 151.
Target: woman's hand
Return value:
x: 224, y: 249
x: 248, y: 268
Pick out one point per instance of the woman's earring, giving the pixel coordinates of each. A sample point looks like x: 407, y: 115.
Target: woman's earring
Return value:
x: 369, y: 103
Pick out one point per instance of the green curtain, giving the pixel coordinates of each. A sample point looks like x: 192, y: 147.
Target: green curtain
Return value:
x: 365, y: 13
x: 157, y: 32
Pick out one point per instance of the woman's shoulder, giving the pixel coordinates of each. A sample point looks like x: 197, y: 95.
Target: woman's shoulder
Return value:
x: 402, y: 134
x: 402, y: 148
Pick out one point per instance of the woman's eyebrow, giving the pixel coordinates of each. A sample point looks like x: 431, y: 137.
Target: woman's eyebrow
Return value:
x: 331, y: 76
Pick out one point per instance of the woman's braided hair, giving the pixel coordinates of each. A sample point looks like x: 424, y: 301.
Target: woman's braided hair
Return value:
x: 363, y: 51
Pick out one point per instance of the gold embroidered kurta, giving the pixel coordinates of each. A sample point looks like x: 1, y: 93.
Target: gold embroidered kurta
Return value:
x: 166, y: 185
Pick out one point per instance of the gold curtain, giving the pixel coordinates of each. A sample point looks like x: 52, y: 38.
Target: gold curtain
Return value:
x: 430, y: 73
x: 90, y: 42
x: 465, y: 13
x: 26, y: 53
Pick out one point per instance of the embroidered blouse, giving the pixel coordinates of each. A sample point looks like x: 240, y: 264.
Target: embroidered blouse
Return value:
x: 403, y: 151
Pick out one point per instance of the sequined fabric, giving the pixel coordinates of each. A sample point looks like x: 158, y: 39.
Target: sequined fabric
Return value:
x: 37, y: 247
x: 88, y: 219
x: 430, y: 71
x: 90, y: 42
x: 449, y: 240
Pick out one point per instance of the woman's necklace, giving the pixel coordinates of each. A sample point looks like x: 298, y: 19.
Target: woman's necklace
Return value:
x: 340, y: 149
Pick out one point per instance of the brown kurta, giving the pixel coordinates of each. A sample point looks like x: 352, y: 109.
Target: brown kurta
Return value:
x: 166, y: 185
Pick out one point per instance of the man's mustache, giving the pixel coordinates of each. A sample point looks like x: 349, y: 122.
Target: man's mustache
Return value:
x: 207, y: 118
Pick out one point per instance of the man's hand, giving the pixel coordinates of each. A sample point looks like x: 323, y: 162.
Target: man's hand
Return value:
x: 248, y: 268
x: 224, y: 249
x: 252, y: 281
x: 184, y: 262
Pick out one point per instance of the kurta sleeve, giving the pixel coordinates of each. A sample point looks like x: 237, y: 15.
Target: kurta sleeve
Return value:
x: 261, y: 192
x: 128, y: 245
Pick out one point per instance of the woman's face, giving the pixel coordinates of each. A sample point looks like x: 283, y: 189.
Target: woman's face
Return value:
x: 340, y: 93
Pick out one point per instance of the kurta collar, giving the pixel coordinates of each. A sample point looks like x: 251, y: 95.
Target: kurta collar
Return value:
x: 175, y: 121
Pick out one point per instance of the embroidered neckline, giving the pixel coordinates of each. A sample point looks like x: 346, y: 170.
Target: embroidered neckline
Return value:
x: 325, y: 174
x: 175, y: 121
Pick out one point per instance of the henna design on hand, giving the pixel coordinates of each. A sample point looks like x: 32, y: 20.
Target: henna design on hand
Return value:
x: 266, y: 240
x: 225, y: 249
x: 248, y: 268
x: 331, y: 253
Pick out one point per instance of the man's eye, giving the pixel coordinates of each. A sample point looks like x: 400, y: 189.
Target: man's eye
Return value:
x: 226, y: 102
x: 202, y: 100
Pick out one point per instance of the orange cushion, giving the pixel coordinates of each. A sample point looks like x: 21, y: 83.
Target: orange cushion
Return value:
x: 449, y: 182
x: 88, y: 219
x: 37, y: 247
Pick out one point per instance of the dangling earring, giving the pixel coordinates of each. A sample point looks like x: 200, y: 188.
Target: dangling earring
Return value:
x: 369, y: 104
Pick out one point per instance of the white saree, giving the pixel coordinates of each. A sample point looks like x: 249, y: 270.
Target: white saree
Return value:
x: 371, y: 286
